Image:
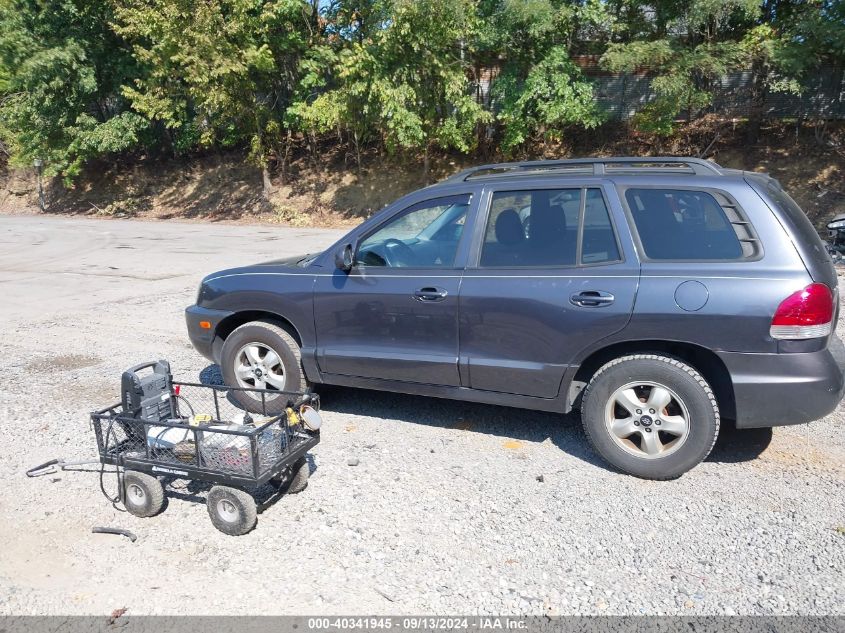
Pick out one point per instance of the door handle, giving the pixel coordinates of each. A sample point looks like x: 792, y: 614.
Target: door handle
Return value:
x: 430, y: 293
x: 592, y: 299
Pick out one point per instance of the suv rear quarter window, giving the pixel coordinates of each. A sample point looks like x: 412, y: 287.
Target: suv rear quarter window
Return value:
x: 687, y: 224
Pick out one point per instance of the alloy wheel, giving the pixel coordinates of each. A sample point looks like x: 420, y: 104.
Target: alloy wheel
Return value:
x: 257, y: 366
x: 647, y: 419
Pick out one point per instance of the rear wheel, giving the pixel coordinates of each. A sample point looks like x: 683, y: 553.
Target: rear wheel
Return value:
x: 262, y: 355
x: 294, y: 479
x: 650, y: 415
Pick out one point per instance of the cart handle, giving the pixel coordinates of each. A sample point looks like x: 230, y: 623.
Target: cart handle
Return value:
x: 48, y: 468
x: 36, y: 471
x: 140, y: 366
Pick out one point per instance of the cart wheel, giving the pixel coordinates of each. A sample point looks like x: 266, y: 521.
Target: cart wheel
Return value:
x: 143, y: 494
x: 294, y: 479
x: 232, y: 511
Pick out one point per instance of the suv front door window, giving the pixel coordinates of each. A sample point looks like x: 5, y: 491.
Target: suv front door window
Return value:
x: 394, y: 316
x: 426, y: 235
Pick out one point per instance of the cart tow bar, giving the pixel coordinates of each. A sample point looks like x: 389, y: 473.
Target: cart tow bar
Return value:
x: 54, y: 465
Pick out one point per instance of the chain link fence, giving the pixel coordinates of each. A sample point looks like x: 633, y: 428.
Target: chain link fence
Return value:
x: 622, y: 95
x: 822, y: 95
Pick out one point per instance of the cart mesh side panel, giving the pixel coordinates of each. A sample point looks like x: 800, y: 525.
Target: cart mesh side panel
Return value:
x: 220, y: 403
x: 119, y: 436
x: 210, y: 433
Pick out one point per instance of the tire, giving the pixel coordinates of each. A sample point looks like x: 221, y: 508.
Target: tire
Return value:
x: 665, y: 440
x: 232, y: 511
x: 264, y: 337
x: 143, y: 494
x: 294, y: 479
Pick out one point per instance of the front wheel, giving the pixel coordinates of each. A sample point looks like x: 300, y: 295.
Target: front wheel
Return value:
x: 262, y: 355
x: 232, y: 511
x: 650, y: 415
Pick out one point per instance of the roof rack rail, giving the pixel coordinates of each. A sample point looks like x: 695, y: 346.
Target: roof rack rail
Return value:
x: 598, y: 166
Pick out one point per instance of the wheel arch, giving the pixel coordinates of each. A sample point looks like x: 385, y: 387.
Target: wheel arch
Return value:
x: 234, y: 321
x: 704, y: 360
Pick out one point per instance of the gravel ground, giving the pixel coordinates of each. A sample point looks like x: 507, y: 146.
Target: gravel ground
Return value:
x: 452, y: 508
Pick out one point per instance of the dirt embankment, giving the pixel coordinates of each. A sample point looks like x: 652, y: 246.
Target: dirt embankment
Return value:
x: 329, y: 190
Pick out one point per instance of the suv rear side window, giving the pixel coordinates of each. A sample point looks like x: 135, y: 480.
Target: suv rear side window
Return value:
x: 680, y: 224
x: 540, y: 228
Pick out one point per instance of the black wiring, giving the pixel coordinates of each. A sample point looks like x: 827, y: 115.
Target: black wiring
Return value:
x: 185, y: 400
x: 119, y: 497
x: 181, y: 418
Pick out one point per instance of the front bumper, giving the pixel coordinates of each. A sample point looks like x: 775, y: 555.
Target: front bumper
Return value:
x: 783, y: 389
x: 204, y: 339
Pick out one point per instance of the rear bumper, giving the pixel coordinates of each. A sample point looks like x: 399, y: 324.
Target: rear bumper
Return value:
x: 203, y: 339
x: 782, y: 389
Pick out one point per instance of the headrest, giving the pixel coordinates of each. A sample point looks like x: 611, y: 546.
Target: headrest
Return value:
x: 509, y: 229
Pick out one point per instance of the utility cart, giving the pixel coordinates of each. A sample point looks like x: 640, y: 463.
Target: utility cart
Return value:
x: 183, y: 430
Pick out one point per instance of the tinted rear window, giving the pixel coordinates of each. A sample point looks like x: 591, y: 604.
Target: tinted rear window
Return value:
x: 599, y: 240
x: 804, y: 236
x: 801, y: 224
x: 681, y: 224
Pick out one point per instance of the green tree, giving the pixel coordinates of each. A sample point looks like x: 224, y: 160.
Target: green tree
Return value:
x: 810, y: 32
x: 553, y: 96
x: 766, y: 52
x: 352, y: 104
x: 420, y: 76
x: 81, y: 79
x: 349, y: 21
x: 216, y: 72
x: 540, y: 90
x: 62, y: 69
x: 408, y: 79
x: 812, y: 36
x: 688, y: 46
x: 335, y: 91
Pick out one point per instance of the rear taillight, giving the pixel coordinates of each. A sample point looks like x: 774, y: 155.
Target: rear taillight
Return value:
x: 807, y: 313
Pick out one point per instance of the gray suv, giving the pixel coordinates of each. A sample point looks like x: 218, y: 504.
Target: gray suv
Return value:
x: 659, y: 296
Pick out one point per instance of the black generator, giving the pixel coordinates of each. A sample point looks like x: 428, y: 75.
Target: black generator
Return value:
x: 148, y: 396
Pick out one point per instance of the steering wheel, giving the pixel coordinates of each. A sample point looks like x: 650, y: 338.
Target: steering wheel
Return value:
x: 402, y: 255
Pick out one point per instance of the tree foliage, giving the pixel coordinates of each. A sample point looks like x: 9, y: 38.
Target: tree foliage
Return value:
x: 405, y: 81
x: 86, y: 79
x: 553, y: 96
x: 540, y: 90
x: 213, y: 73
x: 62, y: 67
x: 689, y: 45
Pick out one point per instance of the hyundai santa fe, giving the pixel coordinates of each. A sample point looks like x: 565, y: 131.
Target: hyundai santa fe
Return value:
x: 657, y: 296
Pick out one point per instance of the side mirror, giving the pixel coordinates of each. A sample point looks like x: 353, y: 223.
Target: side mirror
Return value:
x: 343, y: 258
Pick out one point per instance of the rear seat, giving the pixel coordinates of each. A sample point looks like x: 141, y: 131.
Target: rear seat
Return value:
x: 508, y: 249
